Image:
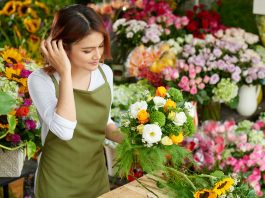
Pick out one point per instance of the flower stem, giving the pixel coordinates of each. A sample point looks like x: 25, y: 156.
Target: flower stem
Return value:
x: 13, y: 148
x: 184, y: 176
x: 146, y: 187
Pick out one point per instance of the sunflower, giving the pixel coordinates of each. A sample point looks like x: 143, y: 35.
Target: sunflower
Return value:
x: 32, y: 25
x: 33, y: 42
x: 11, y: 73
x: 3, y: 122
x: 43, y: 6
x: 23, y: 8
x: 222, y: 186
x: 9, y: 8
x: 12, y: 56
x: 33, y: 13
x: 205, y: 193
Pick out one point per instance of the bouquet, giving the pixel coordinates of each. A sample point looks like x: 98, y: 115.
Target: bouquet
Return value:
x: 153, y: 129
x: 19, y: 125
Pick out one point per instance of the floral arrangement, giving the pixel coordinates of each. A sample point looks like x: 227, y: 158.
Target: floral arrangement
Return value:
x: 235, y: 148
x: 202, y: 21
x: 153, y: 129
x: 19, y: 127
x: 213, y: 185
x: 24, y: 23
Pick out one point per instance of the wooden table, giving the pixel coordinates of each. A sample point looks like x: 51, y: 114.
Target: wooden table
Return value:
x: 135, y: 190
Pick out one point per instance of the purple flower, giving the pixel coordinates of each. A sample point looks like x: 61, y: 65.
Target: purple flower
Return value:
x: 221, y: 65
x: 231, y: 68
x: 261, y: 75
x: 25, y: 73
x: 217, y: 52
x: 214, y: 79
x: 236, y: 77
x: 15, y: 138
x: 27, y: 102
x: 30, y: 124
x: 249, y: 79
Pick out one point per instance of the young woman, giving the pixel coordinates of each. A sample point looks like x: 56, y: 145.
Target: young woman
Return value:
x: 73, y: 98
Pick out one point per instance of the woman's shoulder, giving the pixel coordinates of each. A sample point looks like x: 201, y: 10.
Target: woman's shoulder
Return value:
x: 39, y: 74
x: 107, y: 70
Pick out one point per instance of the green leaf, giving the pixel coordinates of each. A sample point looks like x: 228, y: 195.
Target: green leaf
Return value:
x: 31, y: 149
x: 218, y: 174
x: 11, y: 123
x: 233, y: 103
x: 7, y: 103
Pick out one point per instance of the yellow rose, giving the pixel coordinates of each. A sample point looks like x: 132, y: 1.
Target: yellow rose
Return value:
x: 169, y: 104
x: 161, y: 91
x: 166, y: 141
x: 143, y: 116
x: 177, y: 139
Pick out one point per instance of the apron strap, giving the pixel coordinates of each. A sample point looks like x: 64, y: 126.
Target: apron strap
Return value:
x: 102, y: 73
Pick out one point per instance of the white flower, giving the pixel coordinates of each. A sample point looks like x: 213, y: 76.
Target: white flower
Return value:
x: 180, y: 119
x: 129, y: 35
x: 166, y: 141
x: 136, y: 107
x: 118, y: 23
x: 159, y: 102
x: 151, y: 133
x: 190, y: 108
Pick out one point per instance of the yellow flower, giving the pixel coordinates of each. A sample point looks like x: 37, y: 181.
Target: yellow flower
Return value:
x: 32, y: 25
x: 171, y: 116
x: 12, y: 56
x: 205, y: 193
x: 177, y: 139
x: 16, y: 30
x: 222, y: 186
x: 169, y: 105
x: 166, y: 141
x: 33, y: 42
x: 143, y: 116
x: 161, y: 91
x: 43, y: 6
x: 139, y: 128
x: 23, y: 8
x: 9, y: 8
x: 10, y: 72
x: 33, y: 13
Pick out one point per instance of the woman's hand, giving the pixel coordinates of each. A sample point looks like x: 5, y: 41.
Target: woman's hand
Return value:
x: 55, y: 54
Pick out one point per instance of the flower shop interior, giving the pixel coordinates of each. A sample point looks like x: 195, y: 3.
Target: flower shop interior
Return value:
x: 188, y: 96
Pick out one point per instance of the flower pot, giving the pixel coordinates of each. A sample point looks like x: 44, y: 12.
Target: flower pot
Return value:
x: 248, y: 99
x: 11, y: 162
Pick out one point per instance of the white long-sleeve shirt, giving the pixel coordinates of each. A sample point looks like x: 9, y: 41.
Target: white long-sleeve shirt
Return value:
x: 42, y: 92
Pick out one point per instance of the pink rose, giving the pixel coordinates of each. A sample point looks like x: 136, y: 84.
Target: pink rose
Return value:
x: 193, y: 90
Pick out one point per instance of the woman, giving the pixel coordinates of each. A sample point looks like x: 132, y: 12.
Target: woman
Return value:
x: 73, y: 99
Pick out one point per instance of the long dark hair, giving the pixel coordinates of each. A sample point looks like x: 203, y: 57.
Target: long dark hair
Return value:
x: 73, y: 23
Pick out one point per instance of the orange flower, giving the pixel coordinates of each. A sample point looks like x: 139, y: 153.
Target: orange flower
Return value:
x: 22, y: 111
x: 9, y: 8
x: 143, y: 116
x: 161, y: 91
x: 18, y: 66
x: 169, y: 104
x: 177, y: 139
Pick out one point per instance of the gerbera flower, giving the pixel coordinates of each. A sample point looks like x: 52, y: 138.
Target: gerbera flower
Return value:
x: 205, y: 193
x: 222, y: 186
x: 11, y: 56
x: 9, y: 8
x: 32, y: 25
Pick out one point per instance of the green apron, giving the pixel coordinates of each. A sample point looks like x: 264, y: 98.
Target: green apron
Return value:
x: 77, y: 168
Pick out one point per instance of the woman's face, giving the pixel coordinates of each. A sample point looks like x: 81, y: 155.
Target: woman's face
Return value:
x: 86, y: 53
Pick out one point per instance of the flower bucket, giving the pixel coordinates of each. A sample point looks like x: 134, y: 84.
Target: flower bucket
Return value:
x: 11, y: 162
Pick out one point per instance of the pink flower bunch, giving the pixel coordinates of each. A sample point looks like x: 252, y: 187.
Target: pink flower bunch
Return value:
x: 233, y: 148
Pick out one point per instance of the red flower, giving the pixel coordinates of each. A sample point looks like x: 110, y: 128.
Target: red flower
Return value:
x: 22, y: 111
